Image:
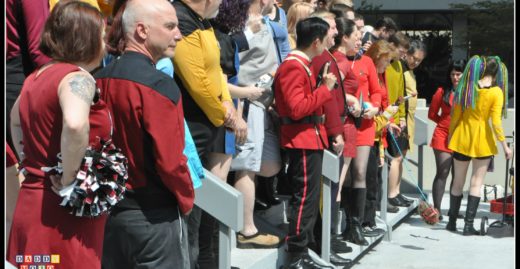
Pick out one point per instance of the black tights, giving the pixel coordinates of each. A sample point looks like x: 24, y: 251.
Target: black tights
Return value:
x: 444, y: 163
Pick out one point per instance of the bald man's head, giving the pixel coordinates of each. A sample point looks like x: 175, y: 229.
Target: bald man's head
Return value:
x: 144, y: 11
x: 151, y: 27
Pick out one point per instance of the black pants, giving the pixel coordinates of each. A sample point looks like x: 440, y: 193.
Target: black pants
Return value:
x: 373, y: 186
x: 154, y: 239
x: 304, y: 173
x: 203, y: 250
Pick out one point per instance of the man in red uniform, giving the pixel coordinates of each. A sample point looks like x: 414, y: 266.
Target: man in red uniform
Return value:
x: 335, y: 111
x: 299, y: 103
x: 146, y: 229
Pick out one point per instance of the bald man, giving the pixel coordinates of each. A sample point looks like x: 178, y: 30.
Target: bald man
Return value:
x: 147, y: 228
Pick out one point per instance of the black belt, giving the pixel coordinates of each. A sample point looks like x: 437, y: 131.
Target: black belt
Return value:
x: 305, y: 120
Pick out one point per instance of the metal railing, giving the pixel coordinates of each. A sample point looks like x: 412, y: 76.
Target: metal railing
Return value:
x: 225, y: 204
x: 420, y: 139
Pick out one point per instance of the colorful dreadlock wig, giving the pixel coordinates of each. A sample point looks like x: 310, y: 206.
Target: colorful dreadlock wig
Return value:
x: 466, y: 94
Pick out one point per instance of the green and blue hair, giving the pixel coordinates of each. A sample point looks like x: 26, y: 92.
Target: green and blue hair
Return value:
x: 466, y: 92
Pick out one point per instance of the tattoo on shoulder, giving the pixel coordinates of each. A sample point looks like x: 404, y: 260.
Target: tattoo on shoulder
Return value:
x: 83, y: 87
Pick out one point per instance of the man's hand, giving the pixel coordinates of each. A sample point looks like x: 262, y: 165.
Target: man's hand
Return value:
x: 337, y: 144
x: 328, y: 79
x: 230, y: 118
x: 367, y: 45
x: 241, y: 131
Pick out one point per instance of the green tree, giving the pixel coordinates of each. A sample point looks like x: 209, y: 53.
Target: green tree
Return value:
x: 490, y: 28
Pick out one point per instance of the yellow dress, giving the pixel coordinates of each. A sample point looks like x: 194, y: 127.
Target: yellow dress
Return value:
x: 410, y: 88
x: 470, y: 130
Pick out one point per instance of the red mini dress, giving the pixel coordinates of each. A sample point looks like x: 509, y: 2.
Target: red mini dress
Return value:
x: 40, y: 225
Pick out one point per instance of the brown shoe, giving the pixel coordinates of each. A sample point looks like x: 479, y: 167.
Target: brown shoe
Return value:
x: 258, y: 240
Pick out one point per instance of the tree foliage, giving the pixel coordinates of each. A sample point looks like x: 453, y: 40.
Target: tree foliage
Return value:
x: 490, y: 28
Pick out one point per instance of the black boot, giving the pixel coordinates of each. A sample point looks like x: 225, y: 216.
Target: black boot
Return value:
x: 471, y: 211
x: 266, y: 190
x: 355, y: 233
x: 345, y: 203
x: 453, y: 212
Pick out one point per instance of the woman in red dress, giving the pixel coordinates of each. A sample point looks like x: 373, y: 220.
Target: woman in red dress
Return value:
x: 370, y: 91
x: 441, y: 102
x: 58, y: 112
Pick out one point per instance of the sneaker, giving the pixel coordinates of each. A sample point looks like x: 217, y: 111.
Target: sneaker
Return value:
x: 258, y: 240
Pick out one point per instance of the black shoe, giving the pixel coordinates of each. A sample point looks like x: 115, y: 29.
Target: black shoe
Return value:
x: 395, y: 201
x: 391, y: 208
x: 305, y: 262
x: 372, y: 231
x: 403, y: 198
x: 337, y: 260
x: 406, y: 202
x: 339, y: 246
x: 266, y: 190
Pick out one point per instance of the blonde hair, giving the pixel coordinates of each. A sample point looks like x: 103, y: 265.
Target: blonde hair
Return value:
x: 297, y: 12
x: 380, y: 49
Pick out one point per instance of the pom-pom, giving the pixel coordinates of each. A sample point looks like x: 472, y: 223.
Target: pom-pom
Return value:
x: 99, y: 184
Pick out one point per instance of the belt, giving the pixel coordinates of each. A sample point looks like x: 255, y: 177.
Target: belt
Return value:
x: 305, y: 120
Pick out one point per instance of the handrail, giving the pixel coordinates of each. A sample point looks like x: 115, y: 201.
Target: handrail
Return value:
x: 331, y: 172
x: 225, y: 204
x: 221, y: 201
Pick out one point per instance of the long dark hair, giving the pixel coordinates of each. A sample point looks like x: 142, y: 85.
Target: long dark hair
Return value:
x: 232, y: 16
x: 345, y: 28
x: 458, y: 66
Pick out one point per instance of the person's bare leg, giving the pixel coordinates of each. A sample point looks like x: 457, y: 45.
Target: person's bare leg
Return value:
x: 393, y: 177
x: 245, y: 183
x: 400, y: 177
x: 478, y: 175
x: 219, y: 164
x: 460, y: 169
x: 360, y: 167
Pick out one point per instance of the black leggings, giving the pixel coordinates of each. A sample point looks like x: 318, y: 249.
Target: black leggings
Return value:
x: 444, y: 162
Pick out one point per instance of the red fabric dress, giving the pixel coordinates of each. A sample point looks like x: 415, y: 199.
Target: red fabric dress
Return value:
x: 365, y: 71
x: 440, y: 134
x: 350, y: 84
x: 40, y: 225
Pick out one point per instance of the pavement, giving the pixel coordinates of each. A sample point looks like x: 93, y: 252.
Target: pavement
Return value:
x: 417, y: 245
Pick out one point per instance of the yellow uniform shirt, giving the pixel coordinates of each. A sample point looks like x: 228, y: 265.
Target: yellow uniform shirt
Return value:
x: 470, y: 130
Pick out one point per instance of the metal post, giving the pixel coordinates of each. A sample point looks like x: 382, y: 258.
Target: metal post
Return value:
x: 224, y: 241
x: 384, y: 200
x: 325, y: 227
x: 420, y: 166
